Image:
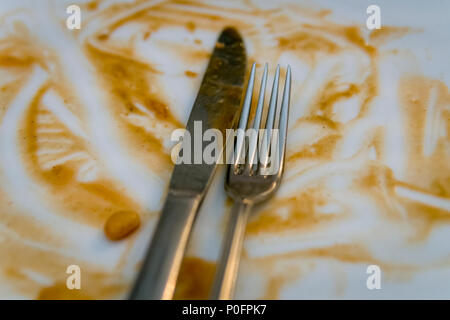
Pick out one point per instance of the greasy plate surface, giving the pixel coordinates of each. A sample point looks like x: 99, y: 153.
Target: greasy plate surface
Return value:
x: 85, y: 124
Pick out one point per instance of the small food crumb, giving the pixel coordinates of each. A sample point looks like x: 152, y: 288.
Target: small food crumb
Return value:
x: 93, y: 5
x: 190, y: 74
x: 103, y: 36
x: 147, y: 34
x: 190, y: 26
x: 121, y: 224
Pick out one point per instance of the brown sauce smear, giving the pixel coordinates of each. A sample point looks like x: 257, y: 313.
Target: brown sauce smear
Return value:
x: 87, y: 202
x: 92, y: 5
x: 17, y: 257
x: 301, y: 214
x: 24, y: 226
x: 345, y: 253
x: 128, y: 82
x: 322, y: 149
x: 388, y: 33
x: 350, y: 33
x: 305, y: 42
x: 94, y: 285
x: 332, y: 94
x: 431, y: 172
x: 61, y: 292
x: 195, y: 279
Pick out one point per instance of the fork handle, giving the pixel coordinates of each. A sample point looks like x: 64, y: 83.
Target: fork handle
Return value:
x: 228, y: 265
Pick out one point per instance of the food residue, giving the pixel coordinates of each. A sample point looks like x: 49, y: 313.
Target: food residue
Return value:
x: 121, y: 224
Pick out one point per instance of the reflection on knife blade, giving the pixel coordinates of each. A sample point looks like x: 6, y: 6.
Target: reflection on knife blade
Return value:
x: 216, y: 106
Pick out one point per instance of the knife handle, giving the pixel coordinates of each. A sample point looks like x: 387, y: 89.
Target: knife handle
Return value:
x: 162, y: 263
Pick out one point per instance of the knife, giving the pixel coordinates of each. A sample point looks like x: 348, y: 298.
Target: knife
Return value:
x: 216, y: 106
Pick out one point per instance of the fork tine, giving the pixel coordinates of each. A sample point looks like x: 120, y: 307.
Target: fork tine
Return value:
x: 284, y: 115
x: 267, y: 137
x: 273, y: 100
x: 240, y: 155
x: 252, y: 154
x: 247, y: 100
x: 259, y: 108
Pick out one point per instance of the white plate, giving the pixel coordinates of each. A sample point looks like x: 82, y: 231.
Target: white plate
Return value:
x: 85, y: 123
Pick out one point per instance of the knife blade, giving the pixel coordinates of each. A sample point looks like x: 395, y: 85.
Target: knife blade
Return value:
x: 216, y: 106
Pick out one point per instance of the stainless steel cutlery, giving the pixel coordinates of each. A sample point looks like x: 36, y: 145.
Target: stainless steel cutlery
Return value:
x: 216, y: 106
x: 247, y: 180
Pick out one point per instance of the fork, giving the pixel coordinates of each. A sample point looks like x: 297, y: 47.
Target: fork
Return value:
x: 248, y: 179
